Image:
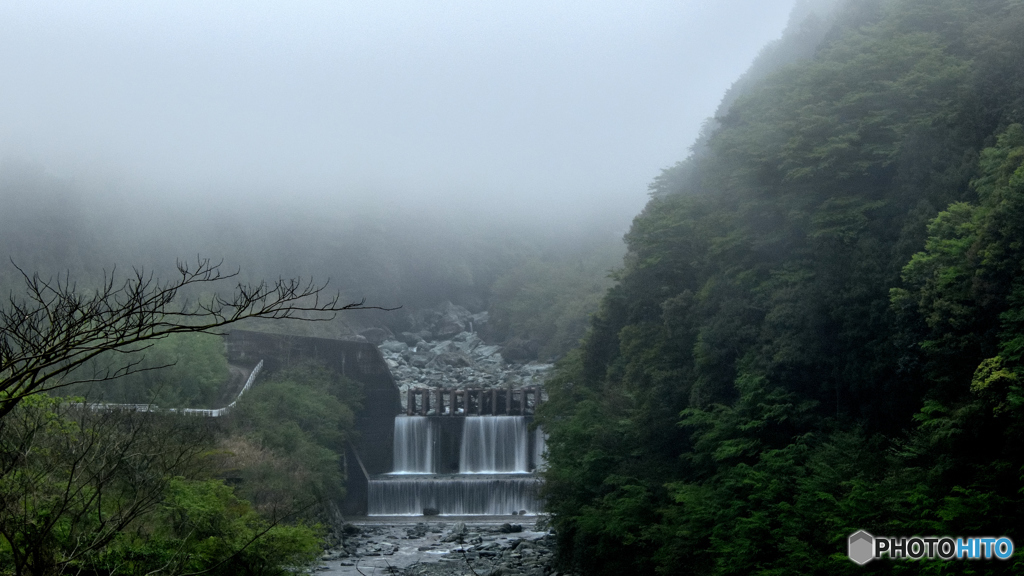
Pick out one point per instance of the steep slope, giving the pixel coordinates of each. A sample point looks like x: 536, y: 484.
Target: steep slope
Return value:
x: 776, y: 368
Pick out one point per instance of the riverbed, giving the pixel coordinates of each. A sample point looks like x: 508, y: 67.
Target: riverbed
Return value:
x: 436, y: 546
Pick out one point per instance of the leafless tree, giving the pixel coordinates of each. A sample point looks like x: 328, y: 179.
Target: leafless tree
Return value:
x: 55, y: 328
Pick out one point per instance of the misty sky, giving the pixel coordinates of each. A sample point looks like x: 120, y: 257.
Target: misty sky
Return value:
x: 557, y: 107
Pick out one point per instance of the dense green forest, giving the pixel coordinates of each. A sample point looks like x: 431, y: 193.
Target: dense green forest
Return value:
x: 125, y: 492
x: 818, y: 325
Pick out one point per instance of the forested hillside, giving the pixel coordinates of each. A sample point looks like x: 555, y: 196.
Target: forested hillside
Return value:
x: 819, y: 325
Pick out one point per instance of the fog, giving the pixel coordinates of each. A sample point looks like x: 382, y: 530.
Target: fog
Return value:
x: 558, y: 111
x: 487, y: 154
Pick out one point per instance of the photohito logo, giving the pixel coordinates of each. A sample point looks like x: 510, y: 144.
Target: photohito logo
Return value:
x: 863, y: 547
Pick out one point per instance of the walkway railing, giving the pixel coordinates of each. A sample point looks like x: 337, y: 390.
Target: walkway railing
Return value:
x: 212, y: 413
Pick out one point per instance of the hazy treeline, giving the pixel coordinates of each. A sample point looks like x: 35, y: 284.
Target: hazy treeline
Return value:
x: 817, y: 329
x: 401, y: 257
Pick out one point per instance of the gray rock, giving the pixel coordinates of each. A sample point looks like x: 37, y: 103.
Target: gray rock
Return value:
x: 450, y: 360
x: 519, y: 350
x: 394, y: 346
x: 485, y: 352
x: 375, y: 335
x: 409, y: 338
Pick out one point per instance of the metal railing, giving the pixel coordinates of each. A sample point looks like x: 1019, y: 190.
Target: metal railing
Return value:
x: 211, y: 413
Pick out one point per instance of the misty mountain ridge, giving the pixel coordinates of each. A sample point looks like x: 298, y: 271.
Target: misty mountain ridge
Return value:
x: 817, y: 326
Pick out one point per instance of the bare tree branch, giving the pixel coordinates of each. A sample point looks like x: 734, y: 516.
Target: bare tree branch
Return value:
x: 56, y: 328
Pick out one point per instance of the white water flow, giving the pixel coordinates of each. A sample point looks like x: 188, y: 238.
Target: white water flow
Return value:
x: 495, y: 454
x: 414, y: 445
x: 494, y: 445
x: 454, y: 495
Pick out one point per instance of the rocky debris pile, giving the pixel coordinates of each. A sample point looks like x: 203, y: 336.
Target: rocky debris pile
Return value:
x: 446, y: 549
x: 462, y: 362
x: 443, y: 350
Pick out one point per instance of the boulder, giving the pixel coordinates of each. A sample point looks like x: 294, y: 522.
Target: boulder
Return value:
x: 409, y: 339
x: 452, y: 320
x: 519, y: 350
x: 375, y: 335
x: 393, y: 346
x: 486, y: 352
x: 450, y: 359
x: 467, y: 342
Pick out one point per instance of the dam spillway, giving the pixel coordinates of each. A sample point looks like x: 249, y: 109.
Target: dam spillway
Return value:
x: 413, y: 446
x: 455, y: 495
x: 494, y: 445
x: 474, y: 465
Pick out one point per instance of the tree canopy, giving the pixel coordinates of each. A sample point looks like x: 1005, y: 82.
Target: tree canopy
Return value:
x: 816, y: 328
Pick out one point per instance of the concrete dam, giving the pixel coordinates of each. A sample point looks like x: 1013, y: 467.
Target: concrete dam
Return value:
x: 447, y: 452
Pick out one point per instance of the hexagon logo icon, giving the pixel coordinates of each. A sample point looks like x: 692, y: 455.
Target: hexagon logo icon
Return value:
x: 860, y: 547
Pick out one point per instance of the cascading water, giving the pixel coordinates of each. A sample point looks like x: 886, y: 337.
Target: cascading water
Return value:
x: 495, y: 456
x: 455, y: 495
x: 414, y: 445
x: 494, y: 445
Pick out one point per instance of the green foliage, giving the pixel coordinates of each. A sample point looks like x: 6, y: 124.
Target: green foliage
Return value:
x: 549, y: 299
x: 179, y: 371
x: 202, y: 526
x: 803, y: 342
x: 124, y: 492
x: 288, y: 432
x: 72, y: 480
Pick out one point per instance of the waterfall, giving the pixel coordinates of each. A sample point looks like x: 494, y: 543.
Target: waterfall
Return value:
x: 494, y: 444
x: 454, y: 495
x: 492, y: 455
x: 414, y: 445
